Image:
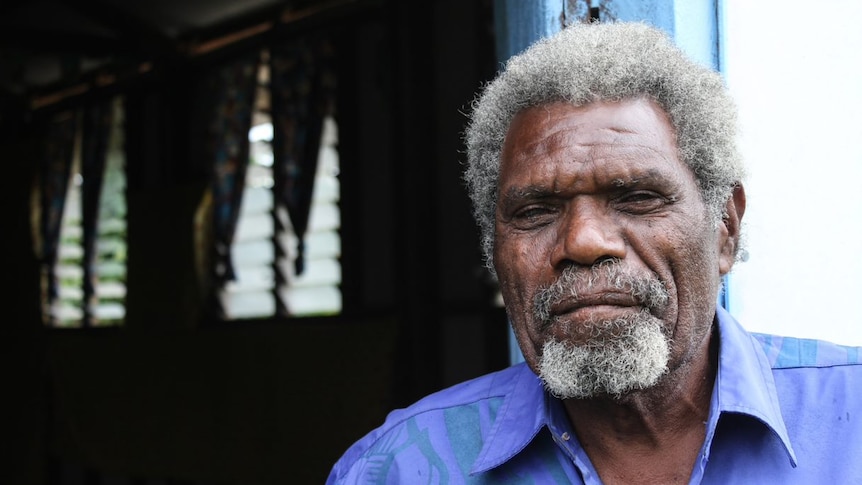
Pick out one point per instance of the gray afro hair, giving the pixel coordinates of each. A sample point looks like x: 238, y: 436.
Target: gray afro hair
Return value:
x: 584, y: 63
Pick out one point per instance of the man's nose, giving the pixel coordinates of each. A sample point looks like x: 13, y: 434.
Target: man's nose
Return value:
x: 586, y: 235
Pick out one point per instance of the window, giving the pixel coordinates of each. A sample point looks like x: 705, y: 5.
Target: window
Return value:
x: 264, y: 249
x: 106, y: 306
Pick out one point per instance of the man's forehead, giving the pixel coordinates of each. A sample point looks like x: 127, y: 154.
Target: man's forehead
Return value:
x: 629, y: 141
x: 549, y: 124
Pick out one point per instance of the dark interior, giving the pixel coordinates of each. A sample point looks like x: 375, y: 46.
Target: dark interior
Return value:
x: 173, y: 395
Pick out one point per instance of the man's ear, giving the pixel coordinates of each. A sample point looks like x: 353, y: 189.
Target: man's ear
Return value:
x: 729, y: 229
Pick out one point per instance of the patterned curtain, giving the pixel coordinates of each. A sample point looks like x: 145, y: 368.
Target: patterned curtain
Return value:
x: 230, y: 92
x: 57, y: 151
x: 97, y: 119
x: 303, y: 94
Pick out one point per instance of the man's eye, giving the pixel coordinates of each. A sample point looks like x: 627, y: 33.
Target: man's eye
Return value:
x: 642, y: 201
x: 532, y: 216
x: 639, y: 196
x: 530, y: 213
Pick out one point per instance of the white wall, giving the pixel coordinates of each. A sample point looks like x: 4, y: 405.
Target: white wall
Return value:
x: 795, y: 69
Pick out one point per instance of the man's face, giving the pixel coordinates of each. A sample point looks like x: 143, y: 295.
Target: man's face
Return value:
x: 606, y: 256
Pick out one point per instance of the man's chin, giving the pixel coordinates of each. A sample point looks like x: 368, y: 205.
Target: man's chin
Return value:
x: 621, y: 363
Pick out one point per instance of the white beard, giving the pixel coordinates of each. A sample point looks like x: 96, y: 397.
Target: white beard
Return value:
x: 622, y: 355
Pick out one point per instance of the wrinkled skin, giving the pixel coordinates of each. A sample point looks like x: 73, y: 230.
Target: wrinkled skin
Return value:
x: 582, y: 184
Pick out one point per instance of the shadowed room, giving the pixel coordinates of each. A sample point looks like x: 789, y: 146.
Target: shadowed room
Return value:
x: 239, y: 232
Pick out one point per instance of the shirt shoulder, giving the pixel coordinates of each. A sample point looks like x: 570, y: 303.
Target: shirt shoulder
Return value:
x: 818, y: 384
x: 791, y: 352
x: 438, y: 435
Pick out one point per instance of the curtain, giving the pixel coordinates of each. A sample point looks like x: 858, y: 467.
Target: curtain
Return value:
x: 55, y: 160
x: 225, y: 101
x: 97, y: 120
x: 231, y: 92
x: 303, y: 94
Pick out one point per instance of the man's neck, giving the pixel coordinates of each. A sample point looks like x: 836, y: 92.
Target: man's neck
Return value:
x: 653, y: 435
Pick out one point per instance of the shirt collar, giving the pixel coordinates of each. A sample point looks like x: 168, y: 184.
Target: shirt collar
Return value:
x: 744, y: 382
x: 522, y: 414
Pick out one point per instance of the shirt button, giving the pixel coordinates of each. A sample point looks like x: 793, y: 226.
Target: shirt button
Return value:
x: 565, y: 436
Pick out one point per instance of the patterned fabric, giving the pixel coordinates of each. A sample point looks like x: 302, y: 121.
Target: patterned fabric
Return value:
x: 783, y: 410
x: 303, y: 93
x: 97, y: 121
x: 58, y: 144
x: 230, y: 91
x: 787, y: 353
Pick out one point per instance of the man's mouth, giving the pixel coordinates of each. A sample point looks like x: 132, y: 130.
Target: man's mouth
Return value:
x: 604, y: 292
x: 595, y: 301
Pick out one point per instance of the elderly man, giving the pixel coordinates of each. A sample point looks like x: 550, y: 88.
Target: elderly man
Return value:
x: 607, y: 186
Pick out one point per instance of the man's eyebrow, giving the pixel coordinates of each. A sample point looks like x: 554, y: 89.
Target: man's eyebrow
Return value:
x: 649, y: 176
x: 518, y: 194
x: 627, y: 183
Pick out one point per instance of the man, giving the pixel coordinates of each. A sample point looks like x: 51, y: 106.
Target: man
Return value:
x: 606, y: 183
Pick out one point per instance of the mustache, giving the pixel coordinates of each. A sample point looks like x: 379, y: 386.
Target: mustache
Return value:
x: 608, y: 274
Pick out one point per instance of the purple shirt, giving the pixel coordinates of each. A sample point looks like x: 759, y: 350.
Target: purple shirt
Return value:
x: 783, y: 410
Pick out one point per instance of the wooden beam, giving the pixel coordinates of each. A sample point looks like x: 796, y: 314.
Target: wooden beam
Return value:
x: 283, y: 22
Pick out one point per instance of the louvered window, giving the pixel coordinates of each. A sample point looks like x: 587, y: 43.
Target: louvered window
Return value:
x: 107, y: 305
x: 264, y: 247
